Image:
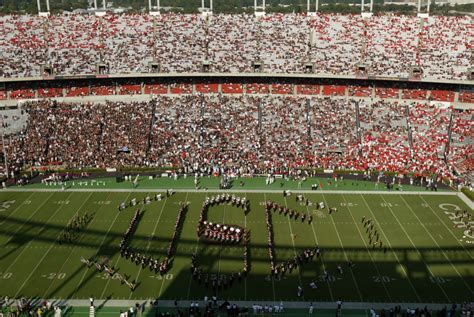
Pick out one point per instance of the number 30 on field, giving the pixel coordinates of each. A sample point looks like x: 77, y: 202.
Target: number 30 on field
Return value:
x: 53, y: 276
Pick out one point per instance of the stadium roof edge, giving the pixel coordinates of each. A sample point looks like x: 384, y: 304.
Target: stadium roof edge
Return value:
x: 234, y: 75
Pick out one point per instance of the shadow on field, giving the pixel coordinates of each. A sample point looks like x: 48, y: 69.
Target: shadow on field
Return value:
x: 382, y: 281
x: 93, y: 238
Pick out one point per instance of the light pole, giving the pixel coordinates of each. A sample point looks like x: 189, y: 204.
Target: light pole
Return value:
x: 41, y: 13
x: 308, y: 7
x: 259, y: 10
x: 204, y: 10
x: 150, y: 8
x: 362, y: 9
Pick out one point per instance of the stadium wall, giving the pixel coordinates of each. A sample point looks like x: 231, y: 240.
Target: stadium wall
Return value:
x: 456, y: 92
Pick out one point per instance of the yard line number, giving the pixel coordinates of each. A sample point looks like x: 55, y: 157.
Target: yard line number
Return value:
x: 347, y: 204
x: 102, y: 202
x: 6, y: 204
x: 54, y: 276
x: 438, y: 280
x: 5, y: 275
x: 382, y: 279
x: 61, y: 202
x: 390, y: 205
x: 166, y: 277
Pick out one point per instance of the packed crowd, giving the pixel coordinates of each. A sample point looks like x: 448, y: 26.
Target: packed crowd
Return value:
x: 247, y: 135
x: 384, y: 132
x: 24, y: 306
x: 388, y: 45
x: 464, y: 310
x: 389, y: 49
x: 462, y: 143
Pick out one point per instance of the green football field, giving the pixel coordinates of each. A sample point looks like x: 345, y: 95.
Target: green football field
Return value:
x: 427, y: 258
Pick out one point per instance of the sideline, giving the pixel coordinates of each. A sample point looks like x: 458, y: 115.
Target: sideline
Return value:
x: 268, y: 191
x: 466, y: 200
x: 289, y: 305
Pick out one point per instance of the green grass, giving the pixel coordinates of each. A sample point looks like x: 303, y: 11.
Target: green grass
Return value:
x: 427, y: 260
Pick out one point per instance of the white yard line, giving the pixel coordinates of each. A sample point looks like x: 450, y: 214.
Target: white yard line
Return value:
x: 449, y: 230
x: 17, y: 208
x: 109, y: 279
x: 394, y: 253
x: 45, y: 254
x: 25, y: 247
x: 439, y: 247
x: 414, y: 246
x: 294, y: 247
x: 115, y: 265
x: 149, y: 242
x: 70, y: 253
x: 29, y: 218
x: 367, y: 248
x: 195, y: 251
x: 163, y: 280
x: 271, y: 277
x: 100, y: 246
x: 466, y: 200
x: 321, y: 257
x: 220, y: 254
x: 245, y: 226
x: 344, y: 251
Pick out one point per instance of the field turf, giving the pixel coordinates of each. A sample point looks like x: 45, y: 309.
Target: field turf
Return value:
x: 427, y: 259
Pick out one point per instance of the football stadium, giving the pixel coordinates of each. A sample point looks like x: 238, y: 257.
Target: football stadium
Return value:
x: 288, y: 158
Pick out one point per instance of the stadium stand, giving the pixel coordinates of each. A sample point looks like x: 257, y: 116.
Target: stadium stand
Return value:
x: 334, y: 90
x: 246, y: 134
x: 286, y: 96
x: 308, y: 89
x: 461, y: 144
x: 232, y: 88
x: 466, y: 96
x: 389, y: 45
x: 386, y: 92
